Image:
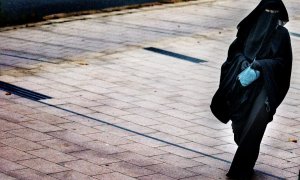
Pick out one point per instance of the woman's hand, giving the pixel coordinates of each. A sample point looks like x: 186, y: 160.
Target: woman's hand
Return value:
x: 244, y: 65
x: 256, y: 66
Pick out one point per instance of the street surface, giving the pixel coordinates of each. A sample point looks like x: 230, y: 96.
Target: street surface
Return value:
x: 127, y: 95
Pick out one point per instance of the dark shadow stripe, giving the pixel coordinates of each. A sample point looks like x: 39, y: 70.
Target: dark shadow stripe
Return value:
x: 22, y: 92
x: 295, y: 34
x: 175, y: 55
x: 27, y: 58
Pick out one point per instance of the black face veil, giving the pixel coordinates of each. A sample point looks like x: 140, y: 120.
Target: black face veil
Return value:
x: 260, y: 33
x: 248, y: 22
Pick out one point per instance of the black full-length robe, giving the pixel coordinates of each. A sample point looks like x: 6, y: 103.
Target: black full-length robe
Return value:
x: 251, y: 108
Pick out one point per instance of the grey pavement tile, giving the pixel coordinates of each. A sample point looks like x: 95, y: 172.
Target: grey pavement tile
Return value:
x: 102, y: 148
x: 229, y: 148
x: 206, y: 171
x: 198, y: 177
x: 294, y: 169
x: 95, y: 89
x: 20, y: 109
x: 146, y: 141
x: 145, y: 112
x: 168, y: 138
x: 99, y: 117
x: 42, y: 165
x: 151, y: 106
x: 226, y: 156
x: 293, y: 178
x: 29, y: 174
x: 296, y: 151
x: 55, y: 111
x: 30, y: 134
x: 171, y: 171
x: 175, y: 121
x: 95, y: 157
x: 155, y: 176
x: 48, y: 118
x: 115, y: 131
x: 5, y: 126
x: 70, y: 136
x: 285, y: 145
x: 279, y: 135
x: 86, y: 121
x: 180, y: 151
x: 88, y: 95
x: 54, y: 93
x: 12, y: 154
x: 142, y: 149
x: 4, y: 176
x: 21, y: 144
x: 282, y: 128
x: 40, y: 126
x: 71, y: 175
x: 62, y: 87
x: 52, y: 155
x: 109, y: 138
x: 179, y: 114
x: 277, y: 162
x: 122, y: 97
x: 212, y: 162
x: 211, y: 123
x: 6, y: 165
x: 169, y: 129
x: 185, y: 107
x: 139, y: 120
x: 295, y: 160
x: 177, y: 160
x: 78, y: 128
x: 4, y: 135
x: 83, y: 102
x: 274, y: 171
x: 143, y: 162
x: 76, y: 108
x: 202, y: 148
x: 113, y: 175
x: 116, y: 103
x: 284, y: 154
x: 86, y: 167
x: 61, y: 145
x: 202, y: 139
x: 13, y: 117
x: 129, y: 126
x: 129, y: 169
x: 208, y: 131
x: 110, y: 111
x: 136, y: 159
x: 156, y: 99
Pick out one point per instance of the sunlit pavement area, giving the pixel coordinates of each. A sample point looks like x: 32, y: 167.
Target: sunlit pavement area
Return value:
x: 126, y: 95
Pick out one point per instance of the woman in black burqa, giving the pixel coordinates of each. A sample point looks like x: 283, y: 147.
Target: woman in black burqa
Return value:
x: 264, y: 44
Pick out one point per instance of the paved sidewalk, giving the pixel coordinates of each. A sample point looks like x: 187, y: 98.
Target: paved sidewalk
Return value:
x: 130, y: 97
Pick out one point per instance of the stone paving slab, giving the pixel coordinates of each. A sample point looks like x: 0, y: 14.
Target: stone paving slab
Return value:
x: 119, y: 111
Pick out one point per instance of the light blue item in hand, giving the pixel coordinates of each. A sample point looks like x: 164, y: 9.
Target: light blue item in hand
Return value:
x: 247, y: 76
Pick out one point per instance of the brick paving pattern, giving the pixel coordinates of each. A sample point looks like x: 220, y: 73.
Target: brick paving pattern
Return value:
x: 119, y: 111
